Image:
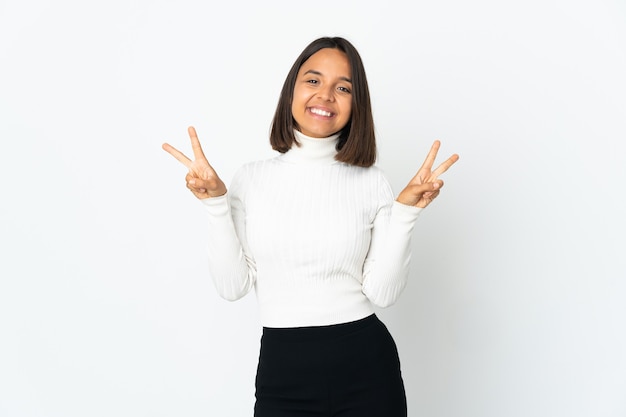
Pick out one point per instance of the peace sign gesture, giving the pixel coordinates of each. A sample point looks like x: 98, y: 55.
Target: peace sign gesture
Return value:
x: 202, y: 180
x: 425, y: 185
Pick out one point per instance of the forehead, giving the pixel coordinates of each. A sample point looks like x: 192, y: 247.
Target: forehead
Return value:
x: 328, y: 61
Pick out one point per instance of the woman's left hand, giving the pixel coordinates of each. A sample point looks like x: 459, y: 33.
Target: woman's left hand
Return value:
x: 426, y: 185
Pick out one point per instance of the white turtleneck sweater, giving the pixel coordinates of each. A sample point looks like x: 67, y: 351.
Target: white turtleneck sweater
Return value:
x: 318, y: 239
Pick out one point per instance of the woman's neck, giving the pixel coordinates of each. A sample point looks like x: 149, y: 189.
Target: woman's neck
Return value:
x: 312, y: 151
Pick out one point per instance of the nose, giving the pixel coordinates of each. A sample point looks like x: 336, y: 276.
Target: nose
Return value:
x: 327, y: 93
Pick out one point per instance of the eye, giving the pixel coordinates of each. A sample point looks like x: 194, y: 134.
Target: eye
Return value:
x: 311, y: 81
x: 344, y: 90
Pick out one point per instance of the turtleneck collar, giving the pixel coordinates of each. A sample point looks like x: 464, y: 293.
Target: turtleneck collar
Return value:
x: 312, y: 151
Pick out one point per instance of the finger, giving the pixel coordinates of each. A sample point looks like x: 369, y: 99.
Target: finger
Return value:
x: 430, y: 195
x: 196, y: 187
x: 199, y: 192
x: 413, y: 193
x: 195, y: 144
x: 432, y: 154
x: 420, y: 189
x: 197, y: 184
x: 443, y: 167
x: 177, y: 154
x: 426, y: 199
x: 424, y: 173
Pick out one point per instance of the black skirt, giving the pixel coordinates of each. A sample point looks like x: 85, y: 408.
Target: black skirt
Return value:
x: 343, y: 370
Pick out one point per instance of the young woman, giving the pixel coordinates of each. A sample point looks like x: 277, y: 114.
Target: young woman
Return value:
x: 317, y: 233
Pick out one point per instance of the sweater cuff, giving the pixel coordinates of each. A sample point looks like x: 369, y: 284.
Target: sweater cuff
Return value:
x: 217, y: 206
x: 404, y: 213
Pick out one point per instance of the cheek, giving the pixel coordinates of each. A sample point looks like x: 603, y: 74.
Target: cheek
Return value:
x: 297, y: 100
x: 347, y: 108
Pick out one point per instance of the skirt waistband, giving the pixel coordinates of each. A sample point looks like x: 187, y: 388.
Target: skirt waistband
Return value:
x: 298, y: 334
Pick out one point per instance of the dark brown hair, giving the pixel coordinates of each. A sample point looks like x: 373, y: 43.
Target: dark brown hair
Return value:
x: 357, y: 141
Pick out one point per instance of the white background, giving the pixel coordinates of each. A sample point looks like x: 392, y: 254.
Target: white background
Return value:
x: 517, y: 300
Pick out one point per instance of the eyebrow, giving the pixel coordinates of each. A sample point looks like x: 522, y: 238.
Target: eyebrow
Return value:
x: 315, y: 72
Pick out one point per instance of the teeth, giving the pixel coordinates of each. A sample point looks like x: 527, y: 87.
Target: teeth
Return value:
x: 321, y: 112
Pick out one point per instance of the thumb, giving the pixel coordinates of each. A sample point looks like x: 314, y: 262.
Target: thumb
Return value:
x: 414, y: 192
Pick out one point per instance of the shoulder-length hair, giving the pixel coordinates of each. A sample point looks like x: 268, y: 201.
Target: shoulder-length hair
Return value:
x: 357, y: 141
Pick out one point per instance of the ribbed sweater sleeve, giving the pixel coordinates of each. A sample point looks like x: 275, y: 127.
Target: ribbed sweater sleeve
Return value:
x: 386, y: 268
x: 231, y: 268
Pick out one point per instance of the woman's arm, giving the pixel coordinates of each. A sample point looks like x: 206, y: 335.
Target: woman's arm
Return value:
x: 233, y: 272
x: 386, y: 267
x: 232, y: 269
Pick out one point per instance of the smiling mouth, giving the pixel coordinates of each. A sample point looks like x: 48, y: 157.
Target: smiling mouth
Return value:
x: 320, y: 112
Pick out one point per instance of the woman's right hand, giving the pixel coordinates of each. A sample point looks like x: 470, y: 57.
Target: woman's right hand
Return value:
x: 202, y: 180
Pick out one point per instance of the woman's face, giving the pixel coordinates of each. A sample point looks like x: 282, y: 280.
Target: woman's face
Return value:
x: 322, y: 96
